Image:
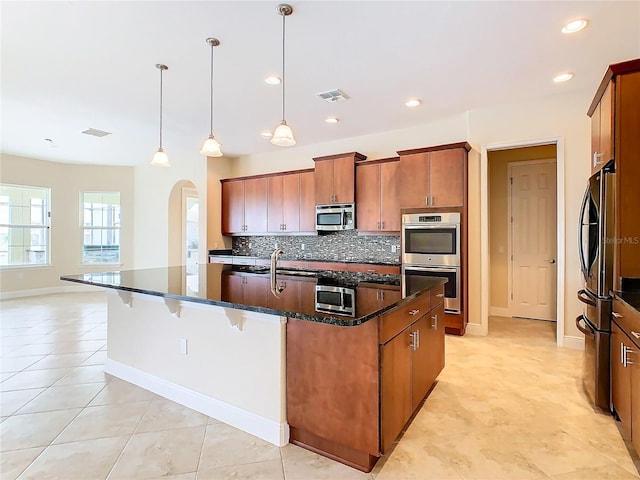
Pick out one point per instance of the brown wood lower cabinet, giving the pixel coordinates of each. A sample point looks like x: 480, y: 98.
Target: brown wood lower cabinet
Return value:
x: 351, y: 390
x: 625, y: 370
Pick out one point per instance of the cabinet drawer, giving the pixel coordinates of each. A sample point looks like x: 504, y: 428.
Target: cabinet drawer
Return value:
x: 437, y: 296
x: 395, y: 321
x: 628, y: 319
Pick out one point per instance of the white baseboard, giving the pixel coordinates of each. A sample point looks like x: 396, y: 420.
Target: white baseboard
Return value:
x: 34, y: 292
x: 499, y: 312
x: 475, y: 329
x: 576, y: 343
x: 268, y: 430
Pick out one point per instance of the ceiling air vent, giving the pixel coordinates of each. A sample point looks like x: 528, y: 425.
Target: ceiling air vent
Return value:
x: 95, y: 132
x: 332, y: 96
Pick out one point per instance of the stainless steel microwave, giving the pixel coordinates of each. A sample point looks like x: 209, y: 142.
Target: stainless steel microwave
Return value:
x: 336, y: 300
x: 335, y: 217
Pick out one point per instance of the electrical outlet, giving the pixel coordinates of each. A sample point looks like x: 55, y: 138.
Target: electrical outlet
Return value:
x: 183, y: 346
x: 302, y: 246
x: 393, y: 248
x: 249, y: 244
x: 275, y: 245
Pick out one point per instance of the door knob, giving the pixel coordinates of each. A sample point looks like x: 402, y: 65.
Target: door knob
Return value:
x: 551, y: 260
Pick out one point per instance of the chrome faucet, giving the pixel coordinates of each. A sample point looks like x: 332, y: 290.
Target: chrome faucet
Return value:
x: 275, y: 289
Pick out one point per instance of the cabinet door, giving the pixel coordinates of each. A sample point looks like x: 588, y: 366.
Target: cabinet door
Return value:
x: 232, y: 288
x: 257, y: 290
x: 368, y: 198
x: 436, y: 342
x: 421, y: 356
x: 289, y: 299
x: 344, y: 180
x: 233, y: 207
x: 291, y: 203
x: 446, y: 177
x: 605, y: 134
x: 413, y: 180
x: 324, y: 182
x: 255, y: 204
x: 307, y: 202
x: 275, y: 203
x: 396, y: 401
x: 595, y: 139
x: 389, y: 201
x: 635, y: 399
x: 620, y: 380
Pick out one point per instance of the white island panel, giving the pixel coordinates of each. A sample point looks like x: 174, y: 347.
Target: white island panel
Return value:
x: 233, y: 368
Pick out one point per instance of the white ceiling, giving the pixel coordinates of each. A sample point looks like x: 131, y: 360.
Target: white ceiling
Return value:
x: 71, y: 65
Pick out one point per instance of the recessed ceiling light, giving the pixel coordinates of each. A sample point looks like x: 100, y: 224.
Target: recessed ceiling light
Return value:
x: 413, y: 102
x: 266, y: 133
x: 332, y: 119
x: 273, y: 80
x: 574, y: 26
x: 563, y: 77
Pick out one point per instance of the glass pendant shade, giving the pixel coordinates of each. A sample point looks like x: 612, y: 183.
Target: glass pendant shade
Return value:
x: 283, y: 136
x: 211, y: 147
x: 160, y: 159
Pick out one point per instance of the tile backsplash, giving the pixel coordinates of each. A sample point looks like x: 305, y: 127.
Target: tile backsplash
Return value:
x: 345, y: 246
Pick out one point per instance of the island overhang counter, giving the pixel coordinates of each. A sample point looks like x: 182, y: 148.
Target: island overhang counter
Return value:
x: 223, y: 342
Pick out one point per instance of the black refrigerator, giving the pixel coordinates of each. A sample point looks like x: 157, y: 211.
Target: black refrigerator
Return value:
x: 596, y: 240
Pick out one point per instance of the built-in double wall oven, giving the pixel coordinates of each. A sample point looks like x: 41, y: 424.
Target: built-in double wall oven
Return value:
x: 430, y: 244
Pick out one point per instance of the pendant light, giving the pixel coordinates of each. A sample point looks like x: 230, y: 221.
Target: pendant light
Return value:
x: 211, y: 146
x: 283, y: 136
x: 160, y: 158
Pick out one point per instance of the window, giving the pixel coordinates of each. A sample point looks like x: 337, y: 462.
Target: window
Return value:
x: 101, y: 227
x: 24, y: 225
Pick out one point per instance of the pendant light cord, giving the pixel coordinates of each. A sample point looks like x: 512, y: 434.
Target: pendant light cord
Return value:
x: 283, y: 73
x: 212, y: 45
x: 161, y: 108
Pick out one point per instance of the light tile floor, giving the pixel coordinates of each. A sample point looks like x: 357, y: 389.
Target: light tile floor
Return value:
x: 507, y: 406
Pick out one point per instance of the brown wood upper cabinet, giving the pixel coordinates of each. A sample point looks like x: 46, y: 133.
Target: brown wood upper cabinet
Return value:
x: 335, y: 178
x: 283, y: 211
x: 602, y: 130
x: 278, y: 203
x: 377, y: 203
x: 244, y: 205
x: 433, y: 176
x: 615, y: 125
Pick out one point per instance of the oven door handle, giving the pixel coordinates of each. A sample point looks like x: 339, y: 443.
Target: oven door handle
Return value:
x: 583, y: 296
x: 587, y: 330
x: 431, y: 269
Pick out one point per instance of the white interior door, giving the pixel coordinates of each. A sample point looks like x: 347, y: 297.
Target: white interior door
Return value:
x: 533, y: 240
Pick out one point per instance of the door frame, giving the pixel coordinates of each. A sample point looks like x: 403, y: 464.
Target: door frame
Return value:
x: 187, y: 192
x: 484, y: 231
x: 510, y: 166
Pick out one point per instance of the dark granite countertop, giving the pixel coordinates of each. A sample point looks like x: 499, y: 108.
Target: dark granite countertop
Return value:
x: 224, y: 285
x: 214, y: 253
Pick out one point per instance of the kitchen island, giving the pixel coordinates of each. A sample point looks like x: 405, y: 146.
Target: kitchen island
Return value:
x: 336, y: 362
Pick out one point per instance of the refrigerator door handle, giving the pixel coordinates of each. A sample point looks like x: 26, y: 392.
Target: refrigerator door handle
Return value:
x: 581, y: 252
x: 583, y: 296
x: 586, y: 329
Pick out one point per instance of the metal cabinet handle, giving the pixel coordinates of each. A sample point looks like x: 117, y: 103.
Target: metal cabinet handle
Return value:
x: 616, y: 315
x: 596, y: 158
x: 434, y: 322
x: 417, y: 339
x: 382, y: 225
x: 635, y: 334
x: 412, y: 335
x: 440, y: 295
x: 414, y: 312
x: 426, y: 200
x: 378, y: 225
x: 627, y: 350
x: 433, y: 201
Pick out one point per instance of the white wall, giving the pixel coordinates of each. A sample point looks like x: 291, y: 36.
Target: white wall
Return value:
x: 66, y: 182
x: 152, y: 191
